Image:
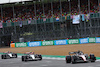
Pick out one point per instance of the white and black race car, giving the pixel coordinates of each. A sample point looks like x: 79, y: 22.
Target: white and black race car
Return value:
x: 8, y: 55
x: 31, y: 56
x: 79, y: 56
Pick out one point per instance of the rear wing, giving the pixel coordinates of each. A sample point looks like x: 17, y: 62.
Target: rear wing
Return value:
x: 7, y: 52
x: 77, y: 52
x: 72, y: 53
x: 29, y: 53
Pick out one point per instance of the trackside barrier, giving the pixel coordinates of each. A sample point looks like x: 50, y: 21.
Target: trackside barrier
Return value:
x: 47, y: 43
x: 97, y: 39
x: 60, y: 42
x: 84, y: 40
x: 56, y: 42
x: 34, y: 44
x: 23, y: 44
x: 12, y: 45
x: 92, y: 40
x: 73, y: 41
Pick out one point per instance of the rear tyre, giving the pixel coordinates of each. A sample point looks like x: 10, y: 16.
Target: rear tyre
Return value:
x: 40, y: 56
x: 68, y: 59
x: 22, y: 58
x: 2, y: 56
x: 73, y: 59
x: 92, y: 58
x: 15, y: 55
x: 25, y: 58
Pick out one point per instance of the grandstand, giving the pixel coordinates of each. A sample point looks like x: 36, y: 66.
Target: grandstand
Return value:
x: 48, y: 20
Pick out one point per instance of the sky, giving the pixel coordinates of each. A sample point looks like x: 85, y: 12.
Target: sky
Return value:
x: 10, y: 1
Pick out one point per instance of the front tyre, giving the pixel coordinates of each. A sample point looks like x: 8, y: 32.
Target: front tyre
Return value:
x: 73, y: 59
x: 40, y: 56
x: 22, y: 58
x: 25, y: 58
x: 92, y: 58
x: 15, y: 55
x: 2, y: 56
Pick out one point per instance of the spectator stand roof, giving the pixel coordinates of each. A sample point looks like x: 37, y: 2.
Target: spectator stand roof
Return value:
x: 13, y: 1
x: 7, y: 3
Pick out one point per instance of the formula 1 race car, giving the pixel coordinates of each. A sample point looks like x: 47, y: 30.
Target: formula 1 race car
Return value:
x: 8, y: 55
x: 79, y: 56
x: 31, y: 56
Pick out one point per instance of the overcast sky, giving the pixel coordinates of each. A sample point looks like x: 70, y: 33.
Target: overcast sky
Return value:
x: 7, y: 1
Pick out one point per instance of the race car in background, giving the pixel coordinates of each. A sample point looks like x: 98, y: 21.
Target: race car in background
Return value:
x: 31, y: 56
x: 79, y: 56
x: 8, y: 55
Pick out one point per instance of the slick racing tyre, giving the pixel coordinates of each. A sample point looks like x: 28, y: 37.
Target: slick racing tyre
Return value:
x: 22, y: 58
x: 86, y: 55
x: 15, y: 55
x: 2, y: 56
x: 40, y: 56
x: 68, y: 59
x: 25, y: 58
x: 92, y: 58
x: 73, y: 59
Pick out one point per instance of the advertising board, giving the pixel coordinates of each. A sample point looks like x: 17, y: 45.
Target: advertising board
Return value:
x: 97, y: 39
x: 73, y: 41
x: 60, y: 42
x: 34, y: 44
x: 83, y: 40
x: 92, y: 40
x: 47, y: 43
x: 23, y: 44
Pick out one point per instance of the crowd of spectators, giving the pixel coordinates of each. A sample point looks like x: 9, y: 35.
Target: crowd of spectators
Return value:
x: 25, y: 12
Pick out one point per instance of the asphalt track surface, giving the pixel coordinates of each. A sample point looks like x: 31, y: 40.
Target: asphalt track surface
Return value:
x: 16, y: 62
